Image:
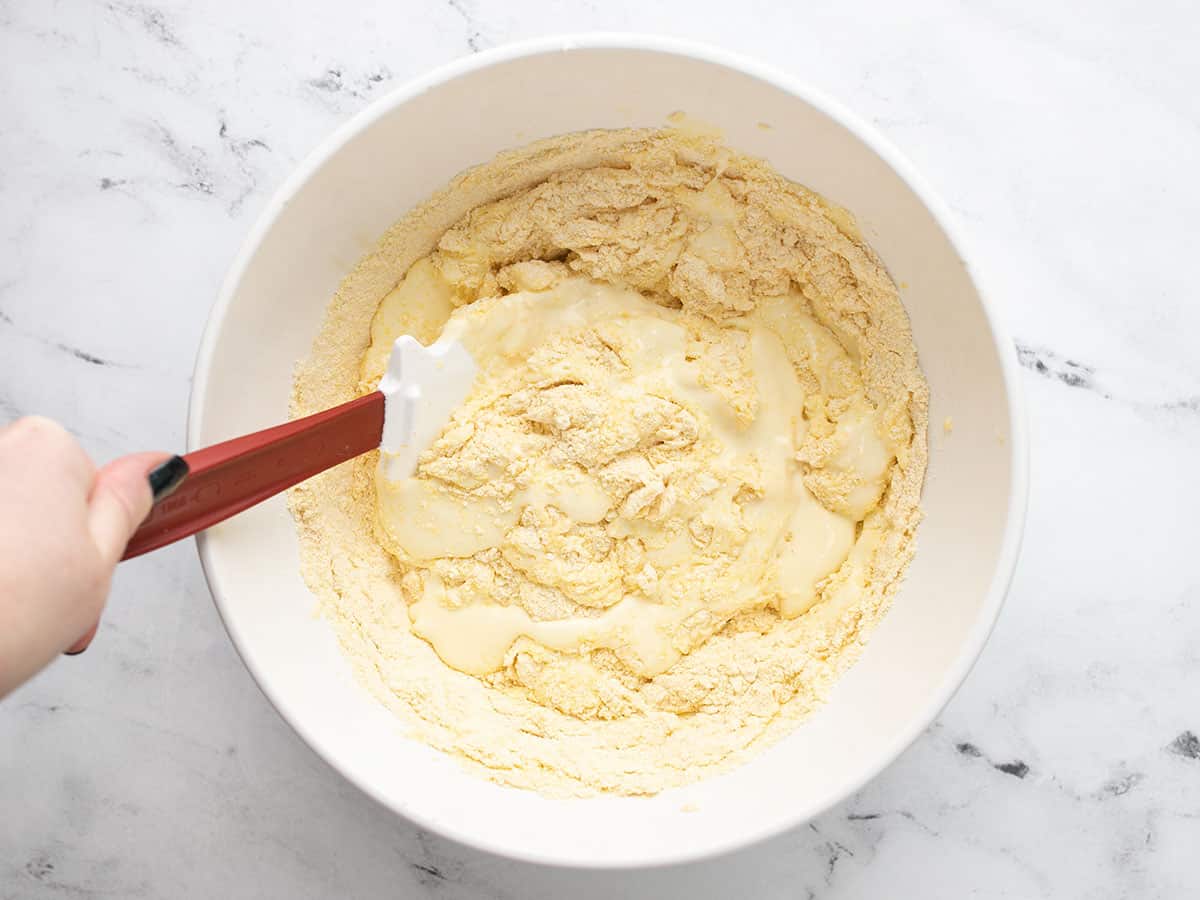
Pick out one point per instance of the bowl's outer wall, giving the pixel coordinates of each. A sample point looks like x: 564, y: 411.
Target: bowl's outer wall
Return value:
x: 393, y: 156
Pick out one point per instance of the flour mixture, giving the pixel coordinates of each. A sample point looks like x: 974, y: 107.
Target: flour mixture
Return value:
x: 681, y: 493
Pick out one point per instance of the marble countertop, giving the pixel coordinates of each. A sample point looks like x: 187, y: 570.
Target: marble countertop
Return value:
x: 142, y: 138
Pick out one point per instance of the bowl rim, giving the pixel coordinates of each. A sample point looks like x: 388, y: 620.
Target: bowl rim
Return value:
x: 1018, y: 436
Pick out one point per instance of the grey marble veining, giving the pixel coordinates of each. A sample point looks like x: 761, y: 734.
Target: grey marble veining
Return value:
x: 141, y: 139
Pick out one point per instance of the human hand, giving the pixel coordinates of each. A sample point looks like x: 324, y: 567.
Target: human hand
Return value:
x: 63, y: 527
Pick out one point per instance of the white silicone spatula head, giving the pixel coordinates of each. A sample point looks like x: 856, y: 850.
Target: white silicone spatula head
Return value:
x: 421, y: 388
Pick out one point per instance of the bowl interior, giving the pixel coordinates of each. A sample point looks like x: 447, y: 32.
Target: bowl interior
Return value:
x: 396, y: 154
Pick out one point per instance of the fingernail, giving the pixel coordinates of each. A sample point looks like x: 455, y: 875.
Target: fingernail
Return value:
x: 167, y: 476
x: 83, y: 643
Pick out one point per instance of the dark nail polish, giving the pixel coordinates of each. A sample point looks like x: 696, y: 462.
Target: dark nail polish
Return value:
x: 167, y: 476
x: 74, y: 652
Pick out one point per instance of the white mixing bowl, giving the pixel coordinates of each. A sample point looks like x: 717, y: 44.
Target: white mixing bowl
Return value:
x: 412, y: 142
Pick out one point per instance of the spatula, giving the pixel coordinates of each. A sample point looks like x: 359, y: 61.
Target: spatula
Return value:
x: 415, y: 398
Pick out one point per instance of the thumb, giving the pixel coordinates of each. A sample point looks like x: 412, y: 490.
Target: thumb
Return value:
x: 119, y: 501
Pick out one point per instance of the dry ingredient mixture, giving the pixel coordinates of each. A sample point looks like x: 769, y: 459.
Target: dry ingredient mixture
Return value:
x: 681, y: 493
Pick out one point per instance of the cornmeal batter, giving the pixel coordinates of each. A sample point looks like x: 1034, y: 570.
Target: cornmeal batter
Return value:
x: 683, y: 488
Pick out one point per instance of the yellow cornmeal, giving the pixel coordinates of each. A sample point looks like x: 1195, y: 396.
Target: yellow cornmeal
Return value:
x: 681, y: 492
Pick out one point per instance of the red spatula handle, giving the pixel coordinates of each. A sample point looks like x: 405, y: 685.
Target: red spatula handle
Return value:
x: 227, y: 478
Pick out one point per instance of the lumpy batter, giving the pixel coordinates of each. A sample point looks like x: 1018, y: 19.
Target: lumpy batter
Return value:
x: 682, y: 490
